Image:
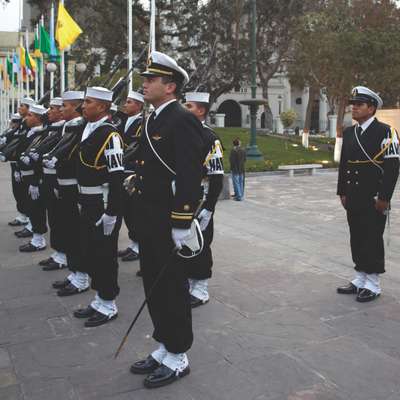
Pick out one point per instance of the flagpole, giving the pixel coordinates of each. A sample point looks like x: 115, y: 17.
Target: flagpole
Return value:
x: 36, y: 74
x: 130, y: 43
x: 27, y: 68
x: 13, y: 85
x: 62, y: 66
x: 41, y: 61
x: 20, y: 82
x: 52, y: 37
x: 153, y: 26
x: 1, y: 99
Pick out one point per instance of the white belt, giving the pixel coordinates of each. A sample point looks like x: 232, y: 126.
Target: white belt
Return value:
x: 49, y: 171
x: 67, y: 182
x: 90, y: 189
x: 27, y: 173
x: 13, y: 162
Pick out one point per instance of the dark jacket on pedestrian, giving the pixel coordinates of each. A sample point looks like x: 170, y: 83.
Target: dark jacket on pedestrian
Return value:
x: 237, y: 159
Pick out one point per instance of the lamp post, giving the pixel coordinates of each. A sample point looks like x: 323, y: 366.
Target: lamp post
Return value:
x: 252, y: 149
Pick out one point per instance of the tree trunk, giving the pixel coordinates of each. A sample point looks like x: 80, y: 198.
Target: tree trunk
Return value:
x: 339, y: 129
x: 307, y: 123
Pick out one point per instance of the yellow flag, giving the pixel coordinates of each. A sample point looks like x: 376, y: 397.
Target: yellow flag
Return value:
x: 22, y: 57
x: 67, y: 29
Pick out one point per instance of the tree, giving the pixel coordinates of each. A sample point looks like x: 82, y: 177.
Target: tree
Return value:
x: 343, y: 44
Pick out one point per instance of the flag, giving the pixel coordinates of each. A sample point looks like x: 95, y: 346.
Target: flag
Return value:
x: 29, y: 61
x: 22, y: 57
x: 9, y: 68
x: 45, y: 45
x: 15, y: 64
x: 67, y: 30
x: 36, y: 53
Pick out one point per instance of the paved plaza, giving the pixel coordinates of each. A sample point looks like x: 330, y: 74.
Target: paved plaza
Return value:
x: 275, y: 329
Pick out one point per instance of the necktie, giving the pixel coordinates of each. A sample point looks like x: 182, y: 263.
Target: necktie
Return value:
x: 359, y: 132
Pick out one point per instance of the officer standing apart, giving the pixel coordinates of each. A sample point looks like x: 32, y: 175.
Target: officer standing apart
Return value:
x: 368, y: 172
x: 199, y: 267
x: 131, y: 132
x: 166, y: 196
x: 100, y: 176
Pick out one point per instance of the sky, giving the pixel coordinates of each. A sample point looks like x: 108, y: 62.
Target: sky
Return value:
x: 9, y: 16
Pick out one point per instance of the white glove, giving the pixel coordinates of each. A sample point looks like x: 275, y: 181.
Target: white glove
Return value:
x: 3, y: 140
x: 26, y: 160
x: 50, y: 163
x: 179, y: 236
x: 2, y: 157
x: 108, y: 223
x: 34, y: 156
x: 33, y: 192
x: 204, y: 218
x: 56, y: 193
x: 17, y: 177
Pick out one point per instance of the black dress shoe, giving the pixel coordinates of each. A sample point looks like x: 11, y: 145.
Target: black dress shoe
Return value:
x: 53, y: 266
x: 46, y: 261
x: 196, y: 302
x: 60, y: 284
x: 366, y: 295
x: 144, y: 367
x: 70, y: 290
x: 131, y: 256
x: 123, y: 253
x: 25, y: 233
x: 348, y: 289
x: 30, y: 248
x: 99, y: 319
x: 163, y: 376
x: 139, y: 273
x: 17, y: 222
x: 85, y: 312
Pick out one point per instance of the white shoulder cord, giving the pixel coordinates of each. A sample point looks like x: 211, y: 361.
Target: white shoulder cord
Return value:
x: 154, y: 150
x: 366, y: 154
x: 387, y: 212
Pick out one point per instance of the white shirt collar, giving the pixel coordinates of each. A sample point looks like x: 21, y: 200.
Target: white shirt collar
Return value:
x: 33, y: 130
x: 91, y: 127
x: 58, y: 123
x: 131, y: 120
x: 158, y: 110
x: 366, y: 124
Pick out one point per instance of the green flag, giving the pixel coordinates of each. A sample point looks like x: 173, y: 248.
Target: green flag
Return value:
x: 9, y: 68
x: 44, y: 41
x: 36, y: 53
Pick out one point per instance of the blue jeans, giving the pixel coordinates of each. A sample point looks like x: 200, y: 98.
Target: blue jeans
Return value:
x: 238, y: 185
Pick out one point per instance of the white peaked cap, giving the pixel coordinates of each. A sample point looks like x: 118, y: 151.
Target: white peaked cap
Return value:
x: 160, y: 64
x: 56, y: 101
x: 99, y: 93
x: 38, y: 109
x: 363, y: 94
x: 73, y: 95
x: 136, y: 96
x: 28, y: 101
x: 199, y: 97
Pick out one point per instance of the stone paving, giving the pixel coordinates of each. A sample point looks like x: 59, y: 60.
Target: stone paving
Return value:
x: 275, y: 329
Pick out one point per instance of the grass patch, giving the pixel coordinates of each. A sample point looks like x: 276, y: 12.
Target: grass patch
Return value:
x: 277, y: 151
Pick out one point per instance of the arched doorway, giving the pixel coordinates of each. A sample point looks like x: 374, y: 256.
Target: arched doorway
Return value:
x: 266, y: 119
x: 232, y: 111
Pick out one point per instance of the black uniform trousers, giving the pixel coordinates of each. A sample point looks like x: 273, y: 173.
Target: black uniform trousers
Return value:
x: 68, y: 218
x: 36, y: 210
x: 367, y: 226
x: 128, y: 214
x: 200, y: 267
x: 99, y: 252
x: 53, y: 211
x: 169, y: 304
x: 18, y: 189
